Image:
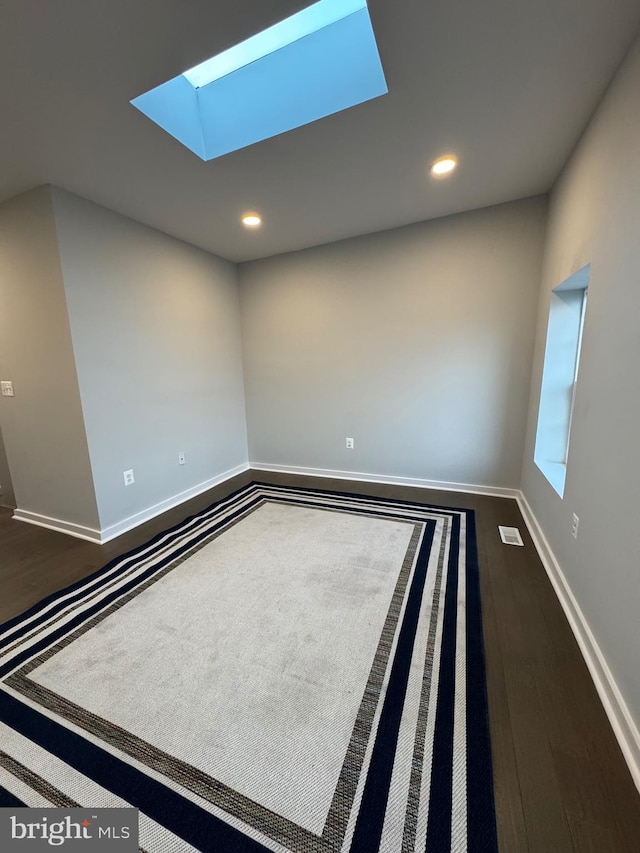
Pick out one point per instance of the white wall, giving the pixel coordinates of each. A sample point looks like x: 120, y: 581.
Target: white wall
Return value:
x: 416, y: 342
x: 595, y: 218
x: 42, y: 425
x: 156, y: 336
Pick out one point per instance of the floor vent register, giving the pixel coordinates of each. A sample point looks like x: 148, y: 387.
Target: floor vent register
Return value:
x: 510, y: 535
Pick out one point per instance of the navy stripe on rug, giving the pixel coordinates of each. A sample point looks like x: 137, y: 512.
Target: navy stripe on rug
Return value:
x: 52, y: 636
x: 368, y: 830
x: 360, y: 496
x: 168, y: 808
x: 81, y: 585
x: 9, y: 800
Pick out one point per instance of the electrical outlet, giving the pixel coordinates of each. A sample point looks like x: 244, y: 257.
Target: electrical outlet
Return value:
x: 128, y: 477
x: 181, y: 458
x: 7, y: 388
x: 349, y: 444
x: 574, y: 526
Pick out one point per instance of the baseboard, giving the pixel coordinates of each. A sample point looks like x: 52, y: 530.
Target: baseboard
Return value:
x: 138, y: 518
x: 612, y: 699
x: 495, y: 491
x: 106, y: 534
x: 59, y: 525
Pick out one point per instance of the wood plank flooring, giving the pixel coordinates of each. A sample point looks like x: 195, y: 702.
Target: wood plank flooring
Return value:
x: 561, y: 783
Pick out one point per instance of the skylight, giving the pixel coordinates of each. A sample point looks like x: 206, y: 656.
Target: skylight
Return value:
x: 317, y: 62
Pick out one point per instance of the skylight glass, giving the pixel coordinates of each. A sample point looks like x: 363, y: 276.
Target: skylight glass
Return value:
x: 303, y: 23
x: 317, y: 62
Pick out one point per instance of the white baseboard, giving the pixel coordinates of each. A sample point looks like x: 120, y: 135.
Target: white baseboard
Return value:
x: 495, y: 491
x: 105, y: 534
x: 58, y: 524
x: 138, y: 518
x: 612, y: 699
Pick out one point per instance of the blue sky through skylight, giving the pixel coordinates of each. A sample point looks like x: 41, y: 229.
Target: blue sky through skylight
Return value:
x: 319, y: 61
x: 303, y: 23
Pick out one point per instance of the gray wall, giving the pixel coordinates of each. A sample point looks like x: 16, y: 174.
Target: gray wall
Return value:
x: 595, y: 217
x: 42, y: 425
x: 6, y: 488
x: 156, y: 334
x: 416, y: 342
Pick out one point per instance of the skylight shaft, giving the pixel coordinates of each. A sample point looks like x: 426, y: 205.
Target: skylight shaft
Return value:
x: 318, y: 62
x: 302, y: 24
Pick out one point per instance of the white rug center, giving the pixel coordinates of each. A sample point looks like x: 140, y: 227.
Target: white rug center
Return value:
x: 249, y: 660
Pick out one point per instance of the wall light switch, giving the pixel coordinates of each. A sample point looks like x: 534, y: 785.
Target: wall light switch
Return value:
x: 7, y: 388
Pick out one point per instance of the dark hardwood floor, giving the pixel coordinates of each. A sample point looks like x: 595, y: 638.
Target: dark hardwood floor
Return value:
x: 561, y: 783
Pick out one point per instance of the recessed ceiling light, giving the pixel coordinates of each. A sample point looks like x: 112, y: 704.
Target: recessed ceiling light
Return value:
x: 251, y: 220
x: 443, y: 166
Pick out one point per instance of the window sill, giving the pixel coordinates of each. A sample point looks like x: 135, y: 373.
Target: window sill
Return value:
x: 554, y: 472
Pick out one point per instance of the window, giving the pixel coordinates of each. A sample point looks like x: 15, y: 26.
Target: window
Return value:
x: 560, y: 376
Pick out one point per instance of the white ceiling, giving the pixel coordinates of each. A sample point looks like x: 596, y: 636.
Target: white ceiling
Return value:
x: 508, y: 85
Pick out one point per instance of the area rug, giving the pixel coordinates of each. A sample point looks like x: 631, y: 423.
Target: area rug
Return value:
x: 290, y: 670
